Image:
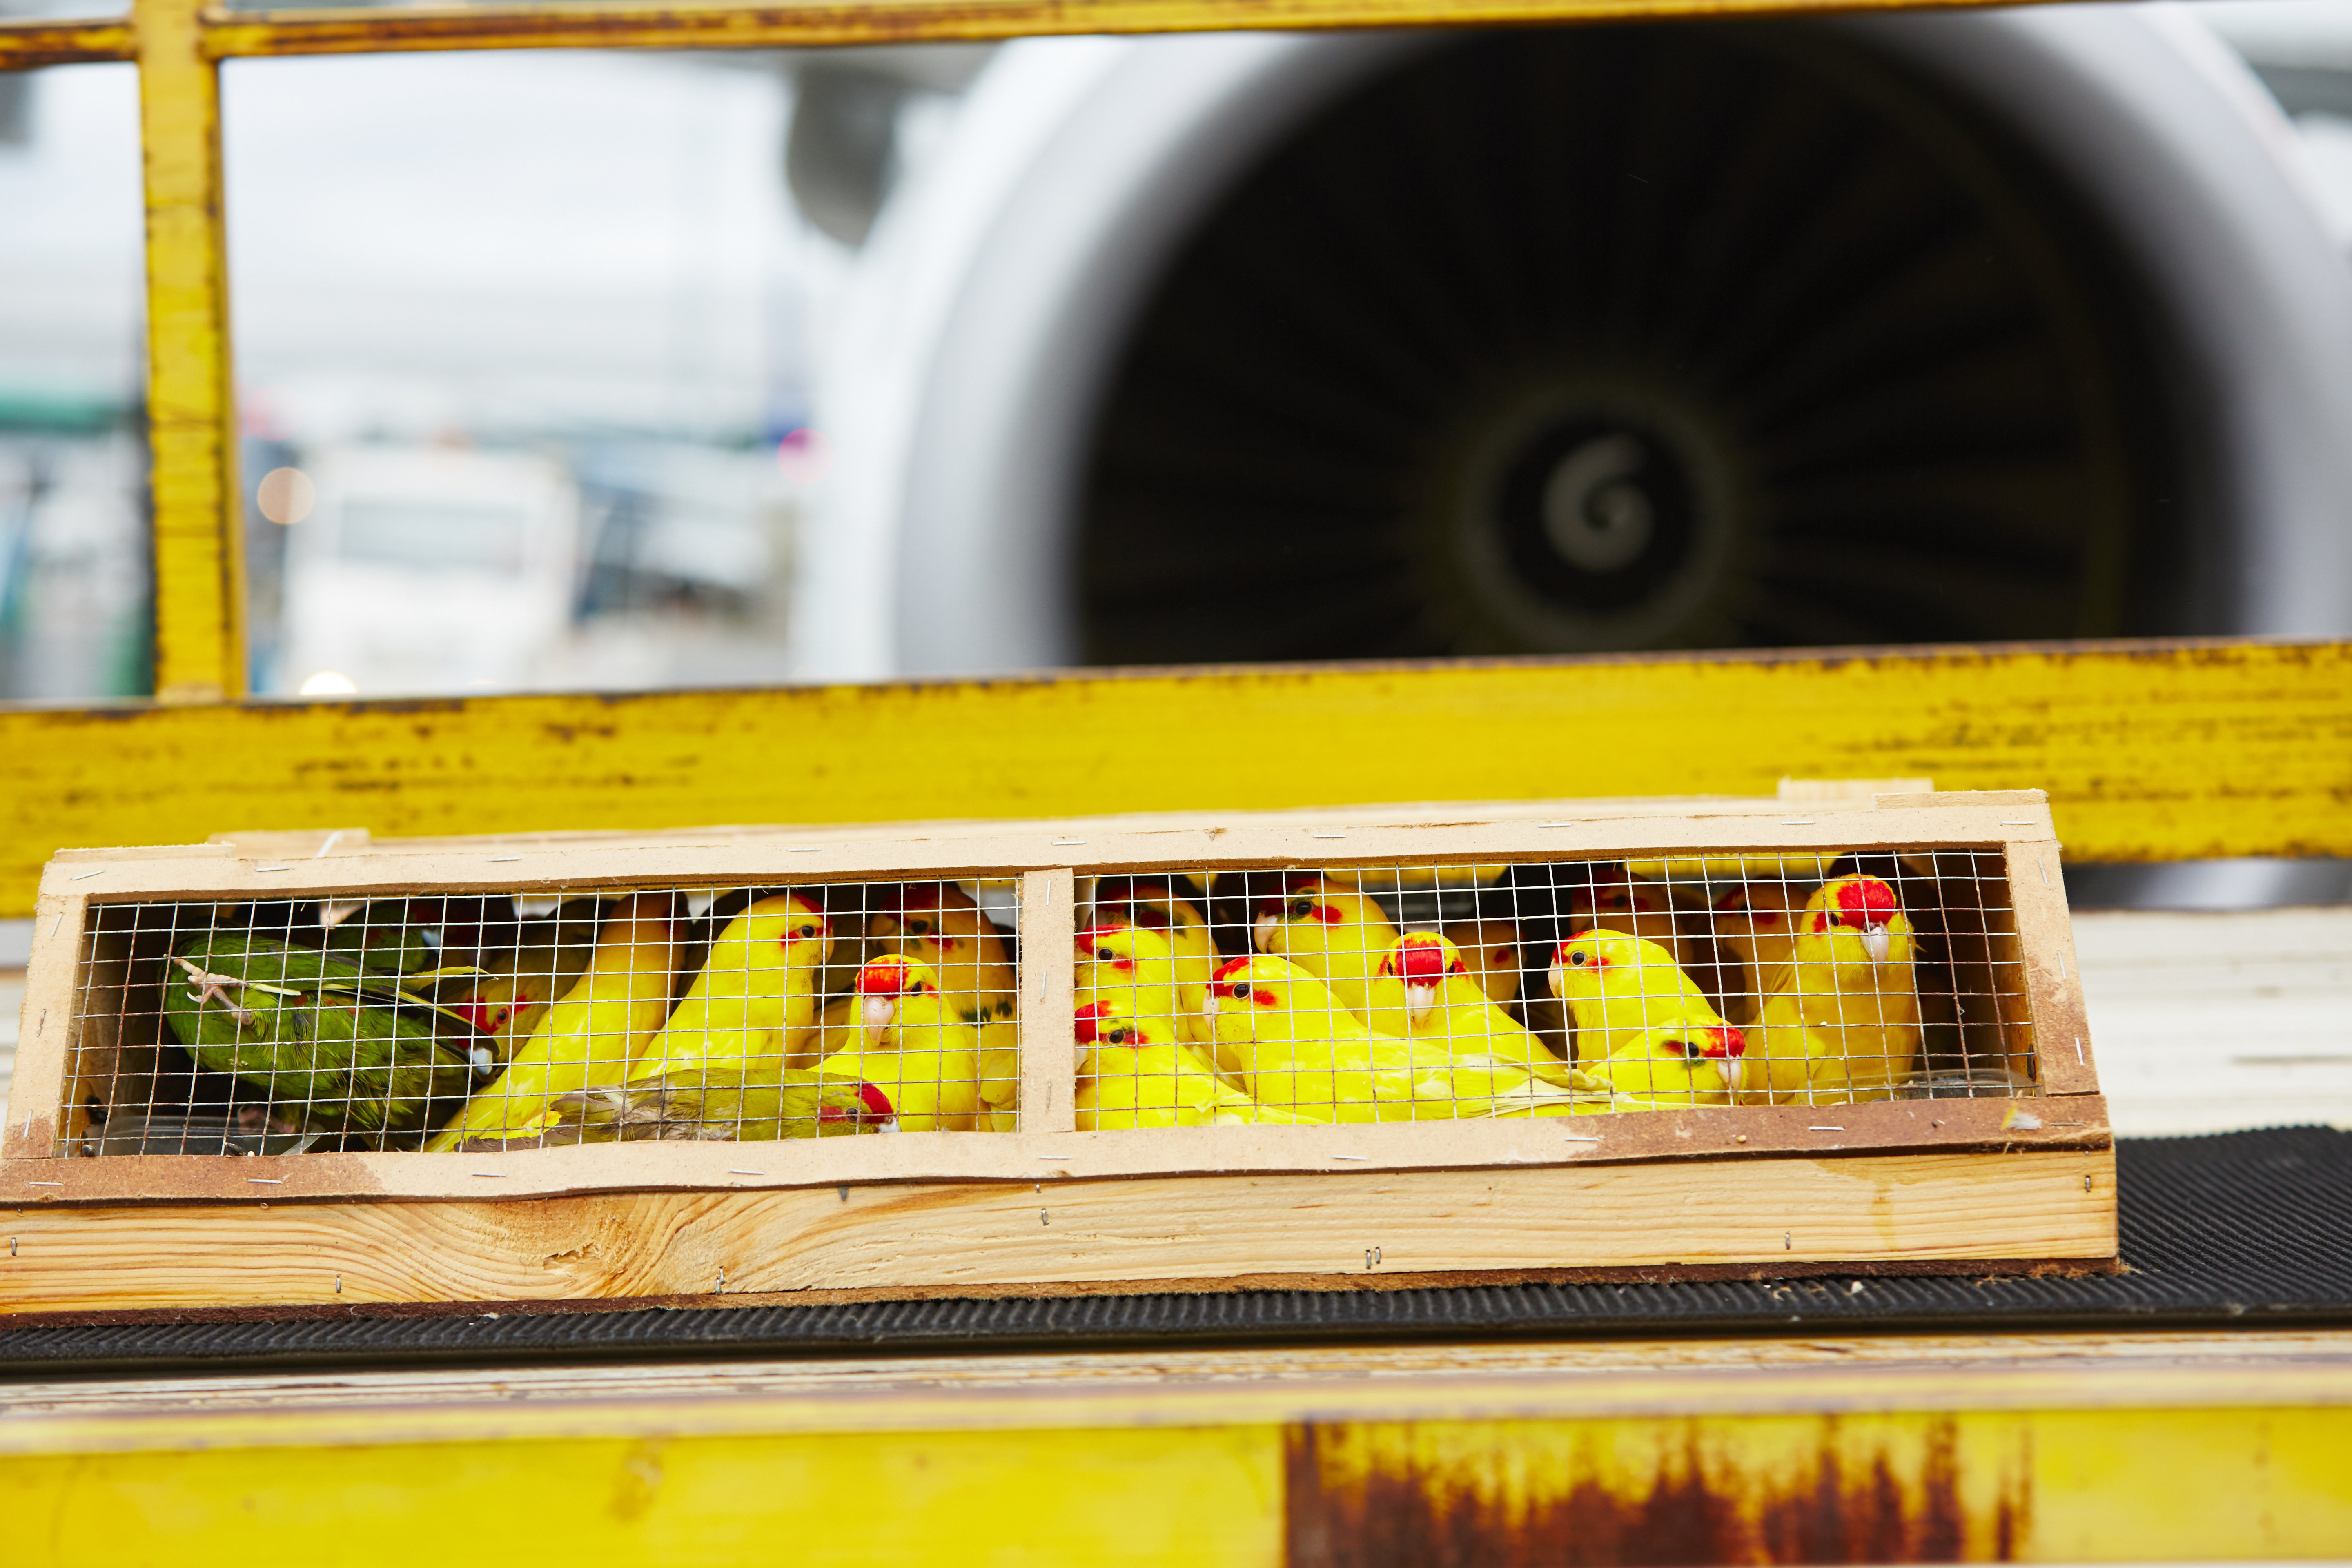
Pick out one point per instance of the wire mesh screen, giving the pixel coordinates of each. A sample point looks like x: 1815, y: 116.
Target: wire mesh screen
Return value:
x: 1422, y: 993
x: 444, y: 1024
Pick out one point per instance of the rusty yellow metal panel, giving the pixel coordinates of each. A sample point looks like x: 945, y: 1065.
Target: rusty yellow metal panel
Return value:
x: 2150, y: 751
x: 200, y: 654
x: 712, y: 25
x: 2081, y: 1446
x: 2120, y: 1485
x: 25, y: 45
x: 1894, y: 1487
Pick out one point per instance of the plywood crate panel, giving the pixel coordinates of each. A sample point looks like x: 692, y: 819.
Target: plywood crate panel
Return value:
x: 1387, y: 1046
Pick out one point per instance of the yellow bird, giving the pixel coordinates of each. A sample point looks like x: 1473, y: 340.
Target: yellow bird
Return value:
x: 1490, y: 952
x: 519, y: 985
x: 1423, y: 992
x: 1844, y: 1023
x: 1663, y: 1067
x: 592, y: 1033
x: 757, y: 987
x: 1757, y: 921
x: 938, y: 925
x: 1302, y: 1052
x: 1335, y: 935
x: 1136, y: 967
x: 1157, y: 906
x: 923, y: 1059
x: 1133, y: 1073
x: 768, y: 1102
x: 1618, y: 986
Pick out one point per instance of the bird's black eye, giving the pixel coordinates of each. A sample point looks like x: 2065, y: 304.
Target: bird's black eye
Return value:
x: 1105, y: 953
x: 1117, y: 1037
x: 1301, y: 907
x: 1579, y: 956
x: 1242, y: 989
x: 918, y: 927
x: 808, y: 931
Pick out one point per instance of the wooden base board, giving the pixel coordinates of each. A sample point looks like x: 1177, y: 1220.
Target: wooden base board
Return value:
x: 1386, y: 1228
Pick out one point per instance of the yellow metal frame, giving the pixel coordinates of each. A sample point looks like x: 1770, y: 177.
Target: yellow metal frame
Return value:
x: 2021, y: 1448
x: 2150, y: 751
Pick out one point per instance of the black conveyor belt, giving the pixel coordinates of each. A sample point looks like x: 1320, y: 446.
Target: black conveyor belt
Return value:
x: 2244, y: 1228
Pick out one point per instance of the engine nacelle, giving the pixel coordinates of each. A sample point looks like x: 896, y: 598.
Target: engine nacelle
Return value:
x: 1976, y: 326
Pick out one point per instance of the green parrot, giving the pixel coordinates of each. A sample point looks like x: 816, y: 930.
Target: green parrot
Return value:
x: 379, y: 938
x: 336, y: 1048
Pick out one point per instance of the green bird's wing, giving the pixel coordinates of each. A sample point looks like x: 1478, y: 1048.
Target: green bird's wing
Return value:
x: 296, y: 1024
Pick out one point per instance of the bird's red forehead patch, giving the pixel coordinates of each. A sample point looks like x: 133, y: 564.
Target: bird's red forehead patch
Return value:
x: 1865, y: 901
x: 883, y: 978
x: 923, y: 896
x: 1727, y: 1041
x: 877, y: 1103
x: 1420, y: 958
x: 1089, y: 1021
x: 1102, y: 931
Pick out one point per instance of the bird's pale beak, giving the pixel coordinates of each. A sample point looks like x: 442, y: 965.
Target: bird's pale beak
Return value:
x: 1268, y: 925
x: 1556, y: 981
x: 1735, y: 1073
x: 879, y: 1011
x: 1877, y: 943
x: 1418, y: 1002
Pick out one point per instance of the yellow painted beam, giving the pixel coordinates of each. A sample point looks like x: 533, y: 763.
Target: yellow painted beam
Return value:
x: 713, y: 25
x: 200, y: 654
x: 25, y: 45
x: 1901, y: 1486
x: 2080, y: 1447
x: 2150, y: 751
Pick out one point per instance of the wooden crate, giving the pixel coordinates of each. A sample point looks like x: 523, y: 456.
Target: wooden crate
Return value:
x: 2021, y: 1181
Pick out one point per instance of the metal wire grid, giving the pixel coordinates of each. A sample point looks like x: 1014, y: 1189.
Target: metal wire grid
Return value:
x: 1397, y: 993
x: 480, y: 1022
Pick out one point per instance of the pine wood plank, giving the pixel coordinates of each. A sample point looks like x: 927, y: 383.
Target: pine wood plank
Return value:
x: 1723, y: 1132
x: 1005, y: 1391
x: 1941, y: 1211
x: 1460, y: 833
x: 1049, y: 1062
x: 46, y: 1029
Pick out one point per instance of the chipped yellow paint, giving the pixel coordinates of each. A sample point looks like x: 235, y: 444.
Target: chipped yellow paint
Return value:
x: 1044, y: 1497
x: 2114, y: 1485
x: 1869, y: 1486
x: 25, y: 45
x: 199, y: 546
x: 712, y: 24
x: 2149, y: 751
